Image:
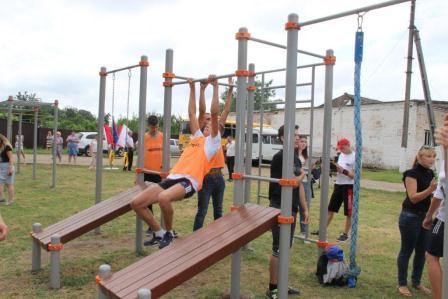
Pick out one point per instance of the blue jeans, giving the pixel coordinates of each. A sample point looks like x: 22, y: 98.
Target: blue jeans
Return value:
x: 413, y: 238
x: 307, y: 187
x: 213, y: 186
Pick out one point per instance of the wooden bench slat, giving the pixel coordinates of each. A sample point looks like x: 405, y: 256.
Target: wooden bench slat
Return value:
x: 184, y: 269
x: 161, y: 258
x: 167, y: 268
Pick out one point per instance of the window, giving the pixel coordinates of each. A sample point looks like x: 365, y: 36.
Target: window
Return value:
x: 254, y: 138
x: 91, y: 136
x: 275, y: 140
x: 172, y: 142
x: 266, y: 139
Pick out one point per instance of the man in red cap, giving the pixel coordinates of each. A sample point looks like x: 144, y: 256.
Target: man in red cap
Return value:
x: 343, y: 187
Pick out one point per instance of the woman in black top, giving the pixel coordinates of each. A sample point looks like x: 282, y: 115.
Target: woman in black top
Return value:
x: 420, y: 184
x: 6, y: 169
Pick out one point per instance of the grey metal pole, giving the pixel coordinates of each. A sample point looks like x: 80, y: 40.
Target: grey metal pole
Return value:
x: 353, y: 12
x: 167, y: 98
x: 144, y: 294
x: 288, y: 151
x: 141, y: 144
x: 326, y: 144
x: 238, y: 187
x: 104, y: 272
x: 407, y: 92
x: 9, y: 123
x: 19, y: 142
x: 249, y: 128
x: 55, y: 260
x: 36, y: 115
x: 55, y: 129
x: 99, y: 146
x: 36, y: 251
x: 310, y: 144
x: 425, y: 84
x: 260, y: 145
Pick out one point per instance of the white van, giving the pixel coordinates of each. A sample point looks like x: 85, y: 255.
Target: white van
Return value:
x: 270, y: 143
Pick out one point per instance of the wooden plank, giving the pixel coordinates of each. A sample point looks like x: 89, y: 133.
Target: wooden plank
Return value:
x: 182, y: 270
x: 180, y: 247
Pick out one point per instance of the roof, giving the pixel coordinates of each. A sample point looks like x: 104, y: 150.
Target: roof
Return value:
x: 349, y: 100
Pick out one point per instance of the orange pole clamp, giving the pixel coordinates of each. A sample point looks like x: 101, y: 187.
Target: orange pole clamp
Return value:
x: 292, y: 25
x: 288, y: 182
x: 55, y: 247
x: 237, y: 176
x: 285, y: 219
x: 143, y: 63
x: 164, y: 174
x: 98, y: 279
x: 167, y: 83
x: 168, y: 75
x: 242, y: 35
x: 330, y: 59
x: 138, y: 170
x: 103, y: 74
x: 252, y: 74
x: 251, y: 88
x: 242, y: 73
x: 234, y: 208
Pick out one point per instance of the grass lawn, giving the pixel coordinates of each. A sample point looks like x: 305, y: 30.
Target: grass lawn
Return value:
x: 36, y: 202
x: 391, y: 176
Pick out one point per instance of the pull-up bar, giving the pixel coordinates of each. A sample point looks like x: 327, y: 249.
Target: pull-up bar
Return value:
x: 352, y: 12
x: 201, y: 79
x: 284, y: 47
x: 284, y: 69
x: 123, y: 69
x: 284, y: 86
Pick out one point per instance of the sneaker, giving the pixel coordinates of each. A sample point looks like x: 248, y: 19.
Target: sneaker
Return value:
x: 149, y: 232
x: 175, y: 235
x: 3, y: 201
x: 272, y: 294
x: 302, y: 235
x: 293, y: 291
x: 342, y: 238
x: 316, y: 232
x: 167, y: 239
x: 154, y: 241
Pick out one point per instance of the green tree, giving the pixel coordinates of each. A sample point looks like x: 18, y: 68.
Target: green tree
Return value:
x: 27, y: 97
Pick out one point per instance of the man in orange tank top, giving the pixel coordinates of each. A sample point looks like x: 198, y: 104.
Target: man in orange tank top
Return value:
x: 214, y: 184
x: 186, y: 176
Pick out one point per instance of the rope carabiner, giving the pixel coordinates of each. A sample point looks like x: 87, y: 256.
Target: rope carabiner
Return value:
x: 360, y: 20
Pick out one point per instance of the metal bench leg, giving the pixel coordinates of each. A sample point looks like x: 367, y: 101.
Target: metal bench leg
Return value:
x: 144, y: 294
x: 55, y: 259
x: 104, y: 272
x: 36, y: 251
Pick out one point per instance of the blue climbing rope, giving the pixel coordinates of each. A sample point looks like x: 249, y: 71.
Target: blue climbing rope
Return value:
x: 354, y: 270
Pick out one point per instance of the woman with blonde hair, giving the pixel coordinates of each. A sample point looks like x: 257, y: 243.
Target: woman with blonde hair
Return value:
x: 420, y: 183
x: 6, y: 169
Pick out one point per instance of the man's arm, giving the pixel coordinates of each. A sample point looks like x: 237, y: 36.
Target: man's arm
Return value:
x: 194, y: 125
x: 227, y: 105
x: 303, y: 204
x: 214, y: 109
x: 202, y: 106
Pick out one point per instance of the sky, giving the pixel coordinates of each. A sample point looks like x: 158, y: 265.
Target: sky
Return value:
x: 55, y: 48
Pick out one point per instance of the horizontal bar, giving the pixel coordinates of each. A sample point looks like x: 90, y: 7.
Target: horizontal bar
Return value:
x: 283, y: 102
x: 263, y: 196
x: 123, y: 69
x: 306, y: 239
x: 352, y: 12
x: 283, y: 86
x: 225, y: 84
x: 203, y: 79
x: 284, y: 47
x: 25, y: 104
x: 261, y: 178
x: 284, y: 69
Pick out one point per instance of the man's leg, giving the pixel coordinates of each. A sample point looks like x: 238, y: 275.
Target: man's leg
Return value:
x: 203, y: 201
x: 435, y: 275
x: 140, y: 203
x: 273, y: 271
x: 130, y: 158
x: 348, y: 224
x: 330, y: 217
x: 218, y: 196
x: 10, y: 192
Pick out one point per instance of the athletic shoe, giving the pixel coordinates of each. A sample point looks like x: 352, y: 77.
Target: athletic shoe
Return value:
x: 3, y: 201
x: 342, y: 238
x: 167, y: 239
x: 154, y: 241
x: 293, y: 291
x: 149, y: 232
x: 316, y: 232
x: 272, y: 294
x: 175, y: 235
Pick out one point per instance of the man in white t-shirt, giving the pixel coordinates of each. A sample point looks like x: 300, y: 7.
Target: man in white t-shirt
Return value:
x: 343, y: 187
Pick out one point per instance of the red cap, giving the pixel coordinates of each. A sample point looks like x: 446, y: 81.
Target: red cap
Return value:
x: 342, y: 142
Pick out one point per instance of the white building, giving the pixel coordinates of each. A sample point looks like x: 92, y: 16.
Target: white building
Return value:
x: 381, y: 124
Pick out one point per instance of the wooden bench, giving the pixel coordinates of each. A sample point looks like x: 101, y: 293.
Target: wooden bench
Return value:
x: 80, y: 223
x: 167, y: 268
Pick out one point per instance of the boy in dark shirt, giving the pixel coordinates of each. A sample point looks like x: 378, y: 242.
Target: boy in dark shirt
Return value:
x: 275, y: 194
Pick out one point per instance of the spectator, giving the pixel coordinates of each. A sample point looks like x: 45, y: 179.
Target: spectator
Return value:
x: 6, y: 169
x: 19, y: 147
x: 230, y: 156
x: 129, y: 147
x: 49, y: 140
x: 72, y: 145
x: 59, y: 141
x: 420, y: 184
x: 92, y: 150
x: 303, y: 157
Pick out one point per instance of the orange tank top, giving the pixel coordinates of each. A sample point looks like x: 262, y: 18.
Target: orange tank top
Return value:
x: 193, y: 161
x: 218, y: 160
x: 153, y: 152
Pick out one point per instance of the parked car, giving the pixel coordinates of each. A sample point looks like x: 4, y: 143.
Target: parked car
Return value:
x: 174, y: 147
x: 85, y: 138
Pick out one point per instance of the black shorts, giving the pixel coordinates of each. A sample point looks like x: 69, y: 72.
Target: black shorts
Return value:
x: 436, y: 244
x: 152, y: 177
x: 276, y: 236
x: 186, y: 183
x: 342, y: 194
